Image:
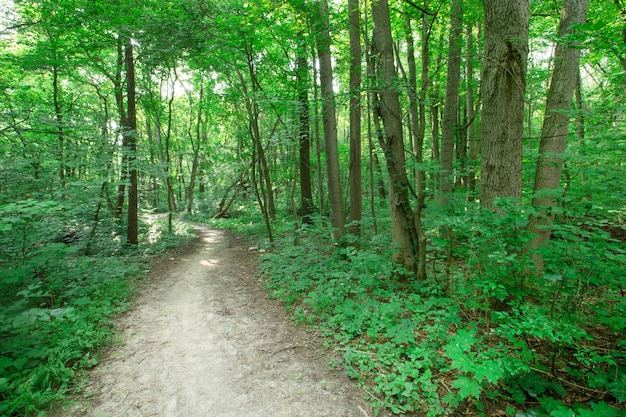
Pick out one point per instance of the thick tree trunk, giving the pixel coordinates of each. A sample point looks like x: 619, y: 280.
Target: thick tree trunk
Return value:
x: 133, y: 191
x: 304, y: 145
x: 329, y: 120
x: 555, y: 123
x: 404, y: 232
x: 503, y: 87
x: 356, y: 200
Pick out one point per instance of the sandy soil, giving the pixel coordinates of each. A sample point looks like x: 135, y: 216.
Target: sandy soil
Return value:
x: 202, y: 340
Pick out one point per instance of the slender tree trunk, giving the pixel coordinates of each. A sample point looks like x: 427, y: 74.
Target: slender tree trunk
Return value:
x: 417, y: 130
x: 264, y: 171
x: 58, y: 110
x: 133, y: 191
x: 420, y: 185
x: 169, y: 186
x: 434, y: 154
x: 503, y: 87
x: 302, y: 75
x: 555, y: 123
x: 258, y: 166
x: 414, y: 108
x: 196, y: 146
x: 318, y: 140
x: 154, y: 160
x: 356, y: 200
x: 450, y: 123
x: 329, y: 120
x: 580, y: 109
x: 404, y: 232
x: 472, y: 153
x: 372, y: 100
x: 121, y: 108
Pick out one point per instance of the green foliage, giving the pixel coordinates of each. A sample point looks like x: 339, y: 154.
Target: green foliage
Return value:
x: 502, y: 335
x: 56, y: 301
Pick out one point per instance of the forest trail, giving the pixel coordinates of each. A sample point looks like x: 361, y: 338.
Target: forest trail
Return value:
x: 202, y: 340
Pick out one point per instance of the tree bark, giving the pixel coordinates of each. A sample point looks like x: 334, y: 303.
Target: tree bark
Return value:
x: 329, y: 120
x: 470, y: 112
x: 450, y: 123
x: 264, y: 172
x: 121, y: 108
x: 503, y: 87
x: 404, y: 232
x: 133, y: 192
x: 356, y: 200
x: 200, y: 138
x: 417, y: 130
x: 58, y: 111
x: 555, y: 123
x: 304, y: 143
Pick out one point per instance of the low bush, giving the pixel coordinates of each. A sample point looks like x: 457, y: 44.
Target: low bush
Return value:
x: 57, y: 298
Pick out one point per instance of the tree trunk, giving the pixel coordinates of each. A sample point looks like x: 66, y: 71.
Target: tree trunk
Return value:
x: 318, y: 140
x: 58, y: 111
x: 450, y: 123
x: 418, y: 130
x: 404, y: 232
x: 470, y: 112
x: 258, y: 155
x: 119, y: 101
x: 329, y: 120
x: 133, y: 221
x: 254, y: 112
x: 556, y: 123
x: 196, y: 146
x: 503, y: 87
x: 302, y: 75
x: 356, y: 200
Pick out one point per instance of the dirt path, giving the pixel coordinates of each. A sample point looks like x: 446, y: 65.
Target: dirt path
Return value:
x: 202, y: 340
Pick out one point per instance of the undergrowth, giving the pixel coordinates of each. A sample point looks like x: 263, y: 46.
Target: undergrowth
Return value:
x: 61, y: 281
x: 483, y: 335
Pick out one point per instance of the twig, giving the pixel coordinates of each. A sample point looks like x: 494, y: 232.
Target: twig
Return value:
x: 285, y: 348
x: 363, y: 411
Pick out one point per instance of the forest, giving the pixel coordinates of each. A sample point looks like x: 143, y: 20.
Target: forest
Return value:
x: 437, y: 186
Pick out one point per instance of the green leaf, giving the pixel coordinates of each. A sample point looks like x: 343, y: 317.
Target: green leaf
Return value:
x: 601, y: 409
x: 467, y: 386
x: 489, y: 370
x: 618, y: 388
x: 462, y: 341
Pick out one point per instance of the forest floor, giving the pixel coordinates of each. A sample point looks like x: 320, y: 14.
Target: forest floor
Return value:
x: 202, y: 339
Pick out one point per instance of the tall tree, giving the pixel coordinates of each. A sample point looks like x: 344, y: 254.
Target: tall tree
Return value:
x: 329, y: 120
x: 503, y: 87
x: 556, y: 121
x: 387, y: 106
x: 356, y: 200
x: 304, y: 145
x: 470, y: 113
x: 449, y: 127
x: 133, y: 221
